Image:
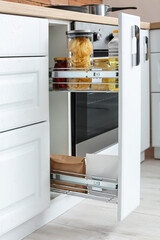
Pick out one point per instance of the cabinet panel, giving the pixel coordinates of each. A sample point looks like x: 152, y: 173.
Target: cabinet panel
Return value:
x: 154, y: 41
x: 23, y: 91
x: 145, y: 92
x: 24, y: 174
x: 155, y: 72
x: 155, y: 119
x: 23, y: 36
x: 129, y: 118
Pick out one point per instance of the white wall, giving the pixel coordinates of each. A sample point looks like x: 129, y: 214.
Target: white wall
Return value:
x: 148, y: 10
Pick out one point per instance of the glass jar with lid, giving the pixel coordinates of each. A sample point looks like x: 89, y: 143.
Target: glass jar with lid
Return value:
x: 60, y: 62
x: 80, y: 53
x: 101, y: 63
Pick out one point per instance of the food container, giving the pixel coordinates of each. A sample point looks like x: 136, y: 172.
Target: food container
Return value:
x: 113, y: 62
x: 80, y: 53
x: 102, y: 63
x: 68, y: 164
x: 60, y: 63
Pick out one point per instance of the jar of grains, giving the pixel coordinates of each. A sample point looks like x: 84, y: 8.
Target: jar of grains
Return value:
x: 101, y: 63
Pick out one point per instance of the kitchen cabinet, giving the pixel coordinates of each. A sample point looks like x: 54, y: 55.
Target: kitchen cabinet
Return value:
x: 24, y: 174
x: 128, y: 158
x: 28, y: 146
x: 155, y: 89
x: 23, y: 91
x: 24, y: 114
x: 155, y: 72
x: 155, y: 119
x: 145, y: 91
x: 23, y: 36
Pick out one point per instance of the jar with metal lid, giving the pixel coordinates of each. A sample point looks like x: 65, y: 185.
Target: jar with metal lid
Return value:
x: 113, y: 60
x: 60, y: 62
x: 80, y: 53
x: 101, y: 63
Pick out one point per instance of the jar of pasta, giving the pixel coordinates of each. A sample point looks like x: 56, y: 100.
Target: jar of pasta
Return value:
x: 80, y: 53
x: 101, y: 63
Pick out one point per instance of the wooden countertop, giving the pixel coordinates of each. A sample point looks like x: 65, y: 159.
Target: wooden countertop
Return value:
x: 155, y: 25
x: 44, y: 12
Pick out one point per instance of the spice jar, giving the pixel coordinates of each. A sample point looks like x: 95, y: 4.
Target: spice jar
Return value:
x: 103, y: 64
x: 80, y: 53
x: 60, y: 63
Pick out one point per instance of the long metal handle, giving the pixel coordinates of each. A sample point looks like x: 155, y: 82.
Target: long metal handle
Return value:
x: 114, y: 9
x: 146, y: 48
x: 136, y: 55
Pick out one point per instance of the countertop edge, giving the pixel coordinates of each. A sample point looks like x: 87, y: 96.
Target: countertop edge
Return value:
x: 155, y: 25
x: 44, y: 12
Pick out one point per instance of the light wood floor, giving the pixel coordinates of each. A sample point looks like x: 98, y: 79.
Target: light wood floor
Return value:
x: 93, y: 220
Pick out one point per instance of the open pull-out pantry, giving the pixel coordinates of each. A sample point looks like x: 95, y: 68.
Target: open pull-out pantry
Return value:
x: 117, y: 175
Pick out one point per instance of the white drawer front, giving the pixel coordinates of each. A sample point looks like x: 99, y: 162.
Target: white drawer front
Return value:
x: 155, y: 72
x: 23, y: 36
x: 156, y: 119
x: 24, y: 174
x: 155, y: 40
x: 23, y: 91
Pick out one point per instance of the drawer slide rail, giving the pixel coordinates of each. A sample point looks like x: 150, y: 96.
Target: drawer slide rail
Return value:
x: 97, y: 188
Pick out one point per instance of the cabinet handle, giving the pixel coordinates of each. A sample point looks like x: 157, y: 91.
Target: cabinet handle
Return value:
x: 146, y: 52
x: 136, y: 55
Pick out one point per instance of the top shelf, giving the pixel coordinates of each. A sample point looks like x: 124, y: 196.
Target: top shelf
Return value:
x: 83, y: 79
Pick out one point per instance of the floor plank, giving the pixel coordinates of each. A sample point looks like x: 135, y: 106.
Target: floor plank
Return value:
x: 93, y: 220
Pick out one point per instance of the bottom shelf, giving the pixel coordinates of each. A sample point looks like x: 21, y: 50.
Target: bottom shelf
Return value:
x: 85, y: 186
x: 106, y: 197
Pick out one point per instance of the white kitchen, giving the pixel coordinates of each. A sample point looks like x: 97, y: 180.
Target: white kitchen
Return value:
x: 79, y: 122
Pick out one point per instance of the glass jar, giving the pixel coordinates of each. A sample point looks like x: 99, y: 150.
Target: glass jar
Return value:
x: 60, y: 63
x: 101, y: 63
x: 113, y: 63
x: 80, y: 53
x: 113, y: 60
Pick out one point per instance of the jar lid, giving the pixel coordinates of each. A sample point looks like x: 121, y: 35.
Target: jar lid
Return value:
x: 79, y: 32
x: 60, y: 59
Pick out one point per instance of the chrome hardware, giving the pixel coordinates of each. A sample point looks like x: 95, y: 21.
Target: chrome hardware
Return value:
x: 136, y: 54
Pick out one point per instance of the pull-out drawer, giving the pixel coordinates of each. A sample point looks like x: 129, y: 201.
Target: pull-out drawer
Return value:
x: 23, y: 36
x: 125, y: 187
x: 24, y: 174
x: 155, y: 119
x: 155, y: 72
x: 23, y: 91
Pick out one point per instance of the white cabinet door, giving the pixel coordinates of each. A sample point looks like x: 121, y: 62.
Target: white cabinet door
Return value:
x: 23, y: 36
x: 156, y: 119
x: 145, y: 91
x: 23, y: 91
x: 129, y: 116
x: 155, y: 72
x: 154, y: 40
x: 24, y: 174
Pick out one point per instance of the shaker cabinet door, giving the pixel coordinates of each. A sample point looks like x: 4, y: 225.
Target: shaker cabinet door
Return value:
x: 24, y: 175
x: 23, y: 91
x: 23, y: 36
x: 155, y: 72
x: 129, y: 115
x: 156, y: 119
